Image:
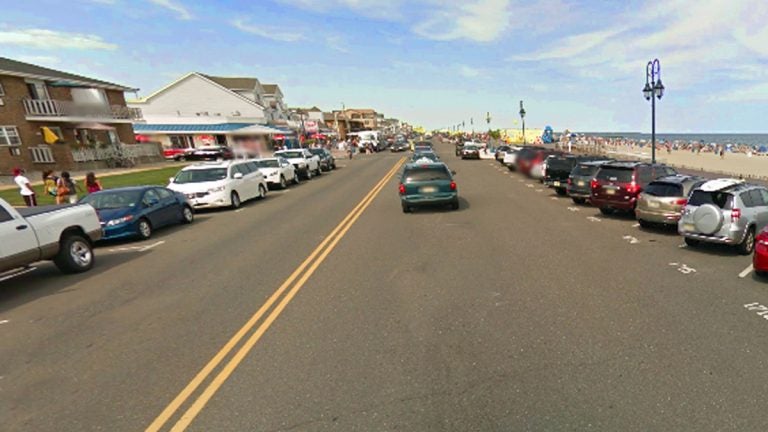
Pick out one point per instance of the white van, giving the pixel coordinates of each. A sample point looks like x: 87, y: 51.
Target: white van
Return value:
x: 220, y: 184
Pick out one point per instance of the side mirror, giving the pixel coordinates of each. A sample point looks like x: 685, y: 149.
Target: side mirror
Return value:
x: 238, y: 176
x: 170, y: 179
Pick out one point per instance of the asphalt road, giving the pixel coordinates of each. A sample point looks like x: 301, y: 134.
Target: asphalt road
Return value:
x: 520, y: 311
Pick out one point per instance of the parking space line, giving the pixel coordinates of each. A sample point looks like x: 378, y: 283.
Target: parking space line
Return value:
x: 153, y: 245
x: 746, y: 271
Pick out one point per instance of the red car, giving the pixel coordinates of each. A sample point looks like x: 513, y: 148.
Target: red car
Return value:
x: 617, y: 185
x: 760, y: 258
x: 527, y: 160
x: 171, y: 153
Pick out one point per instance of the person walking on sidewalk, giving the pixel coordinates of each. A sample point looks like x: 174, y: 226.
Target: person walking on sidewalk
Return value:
x: 92, y: 184
x: 25, y: 188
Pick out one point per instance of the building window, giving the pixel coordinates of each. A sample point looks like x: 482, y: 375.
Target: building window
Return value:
x: 2, y: 90
x: 42, y: 154
x: 14, y: 151
x: 9, y: 136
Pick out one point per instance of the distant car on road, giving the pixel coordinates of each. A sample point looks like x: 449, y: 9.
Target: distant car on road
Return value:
x: 617, y: 185
x: 663, y: 200
x: 220, y: 184
x: 206, y: 154
x: 725, y: 211
x: 425, y: 157
x: 501, y: 151
x: 429, y: 184
x: 327, y: 161
x: 64, y: 235
x: 470, y: 151
x: 138, y: 211
x: 277, y: 171
x: 398, y: 147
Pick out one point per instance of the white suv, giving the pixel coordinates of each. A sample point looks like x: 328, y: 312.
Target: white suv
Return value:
x: 220, y: 184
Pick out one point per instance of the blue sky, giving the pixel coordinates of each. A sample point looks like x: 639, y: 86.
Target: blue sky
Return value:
x: 577, y: 64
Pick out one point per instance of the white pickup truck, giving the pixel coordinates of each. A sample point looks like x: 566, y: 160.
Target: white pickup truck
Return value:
x: 63, y: 234
x: 303, y: 160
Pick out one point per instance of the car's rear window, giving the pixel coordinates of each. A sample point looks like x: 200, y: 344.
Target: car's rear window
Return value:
x: 560, y: 163
x: 426, y: 174
x: 585, y: 170
x: 724, y: 200
x: 662, y: 189
x: 615, y: 174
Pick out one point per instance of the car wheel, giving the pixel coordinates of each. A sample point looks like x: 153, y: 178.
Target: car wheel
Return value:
x: 234, y: 199
x: 560, y: 192
x: 319, y: 171
x: 761, y: 273
x: 187, y: 215
x: 262, y: 192
x: 691, y: 242
x: 406, y: 208
x: 333, y: 167
x: 144, y: 229
x: 296, y: 178
x: 579, y: 200
x: 644, y: 223
x: 283, y: 184
x: 606, y: 210
x: 748, y: 244
x: 308, y: 175
x: 75, y: 254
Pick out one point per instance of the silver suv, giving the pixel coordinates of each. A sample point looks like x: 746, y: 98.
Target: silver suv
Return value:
x: 725, y: 211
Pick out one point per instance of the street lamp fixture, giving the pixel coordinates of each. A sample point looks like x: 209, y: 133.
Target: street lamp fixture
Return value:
x: 522, y: 118
x: 653, y: 89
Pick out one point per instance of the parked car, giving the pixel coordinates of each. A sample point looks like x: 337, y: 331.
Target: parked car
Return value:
x: 211, y: 153
x: 327, y: 161
x: 725, y: 211
x: 617, y: 184
x: 663, y: 200
x: 399, y: 147
x: 580, y: 179
x: 277, y: 171
x: 305, y: 162
x: 470, y: 151
x: 63, y: 234
x: 428, y: 184
x: 220, y: 184
x: 559, y: 168
x: 760, y: 257
x: 138, y: 211
x: 510, y: 158
x: 501, y: 151
x: 172, y: 153
x: 528, y: 160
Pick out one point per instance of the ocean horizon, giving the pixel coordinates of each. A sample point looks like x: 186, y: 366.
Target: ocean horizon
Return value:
x: 750, y: 139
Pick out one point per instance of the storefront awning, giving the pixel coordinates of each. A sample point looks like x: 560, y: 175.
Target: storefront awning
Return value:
x: 224, y: 128
x: 94, y: 126
x: 257, y: 130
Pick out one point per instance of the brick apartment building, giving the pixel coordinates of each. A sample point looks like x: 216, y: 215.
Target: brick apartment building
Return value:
x: 47, y: 114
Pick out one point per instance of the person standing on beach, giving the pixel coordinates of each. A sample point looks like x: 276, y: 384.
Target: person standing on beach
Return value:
x: 25, y: 188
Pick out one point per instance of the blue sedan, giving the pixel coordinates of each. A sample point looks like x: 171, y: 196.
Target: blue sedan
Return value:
x: 138, y: 211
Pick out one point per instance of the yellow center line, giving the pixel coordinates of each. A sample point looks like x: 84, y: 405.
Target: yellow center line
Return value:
x: 332, y: 238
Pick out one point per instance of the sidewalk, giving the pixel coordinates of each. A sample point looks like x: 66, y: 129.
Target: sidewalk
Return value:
x: 6, y: 181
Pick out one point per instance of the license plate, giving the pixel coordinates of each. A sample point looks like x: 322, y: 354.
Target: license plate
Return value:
x: 580, y: 183
x: 428, y: 189
x: 653, y: 204
x: 610, y: 191
x: 557, y: 184
x: 689, y: 227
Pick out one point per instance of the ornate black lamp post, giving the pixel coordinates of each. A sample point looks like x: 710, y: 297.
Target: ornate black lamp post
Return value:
x: 653, y: 89
x: 522, y: 118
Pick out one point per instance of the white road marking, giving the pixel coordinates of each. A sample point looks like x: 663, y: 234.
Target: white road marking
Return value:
x: 153, y: 245
x: 571, y: 209
x: 539, y: 190
x: 682, y: 268
x: 553, y: 198
x: 593, y: 219
x: 746, y: 271
x: 635, y: 225
x: 682, y: 246
x: 239, y: 210
x: 530, y: 185
x: 632, y: 240
x: 4, y: 321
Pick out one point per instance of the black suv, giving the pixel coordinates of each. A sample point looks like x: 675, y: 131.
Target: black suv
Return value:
x: 559, y: 168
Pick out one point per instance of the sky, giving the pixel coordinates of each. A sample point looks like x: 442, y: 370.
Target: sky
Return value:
x: 577, y: 65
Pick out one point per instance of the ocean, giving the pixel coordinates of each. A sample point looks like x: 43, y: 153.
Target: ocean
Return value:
x: 754, y: 140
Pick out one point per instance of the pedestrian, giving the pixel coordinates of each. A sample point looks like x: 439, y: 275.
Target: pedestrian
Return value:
x: 92, y: 184
x: 66, y: 189
x: 25, y: 188
x: 49, y: 182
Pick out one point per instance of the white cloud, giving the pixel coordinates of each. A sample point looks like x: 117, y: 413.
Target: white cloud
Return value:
x: 174, y: 6
x: 337, y: 43
x: 752, y: 93
x: 476, y: 20
x: 469, y: 72
x: 42, y: 60
x: 52, y: 40
x: 384, y: 9
x: 268, y: 32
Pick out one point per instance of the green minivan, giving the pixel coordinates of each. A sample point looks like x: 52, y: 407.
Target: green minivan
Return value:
x: 428, y: 184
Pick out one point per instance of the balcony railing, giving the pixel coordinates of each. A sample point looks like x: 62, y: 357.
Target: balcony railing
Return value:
x: 59, y: 108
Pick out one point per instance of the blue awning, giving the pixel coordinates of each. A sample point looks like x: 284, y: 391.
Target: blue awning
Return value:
x: 188, y: 128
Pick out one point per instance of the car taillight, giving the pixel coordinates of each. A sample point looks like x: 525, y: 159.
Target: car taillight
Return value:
x: 735, y: 214
x: 453, y: 185
x: 681, y: 201
x: 593, y: 184
x: 570, y: 181
x: 402, y: 189
x: 633, y: 187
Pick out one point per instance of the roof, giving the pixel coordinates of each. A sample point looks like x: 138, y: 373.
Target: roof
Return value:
x: 624, y: 164
x: 365, y: 110
x: 270, y: 88
x: 678, y: 179
x: 188, y: 128
x: 234, y: 83
x: 17, y: 68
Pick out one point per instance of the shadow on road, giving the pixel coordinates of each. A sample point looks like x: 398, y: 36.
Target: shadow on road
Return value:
x: 463, y: 205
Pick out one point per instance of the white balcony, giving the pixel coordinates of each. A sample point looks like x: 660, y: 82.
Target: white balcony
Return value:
x: 58, y: 110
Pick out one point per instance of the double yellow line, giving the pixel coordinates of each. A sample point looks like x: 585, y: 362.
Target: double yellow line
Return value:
x: 310, y: 264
